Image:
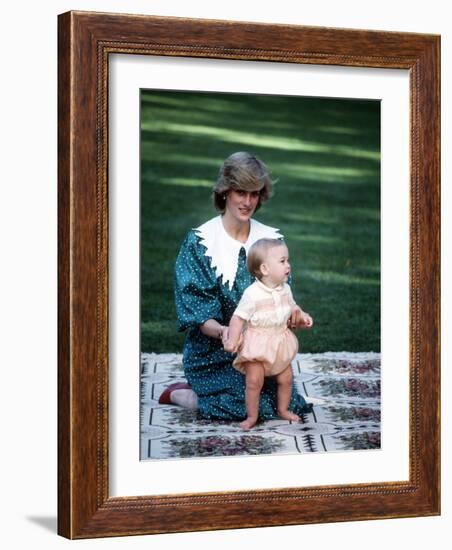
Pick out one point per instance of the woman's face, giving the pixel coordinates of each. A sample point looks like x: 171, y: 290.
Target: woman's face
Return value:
x: 241, y: 204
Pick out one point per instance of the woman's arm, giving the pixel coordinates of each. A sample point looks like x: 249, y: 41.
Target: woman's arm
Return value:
x: 213, y: 329
x: 231, y: 341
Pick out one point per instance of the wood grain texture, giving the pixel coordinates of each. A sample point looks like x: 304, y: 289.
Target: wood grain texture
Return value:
x: 85, y: 42
x: 64, y: 294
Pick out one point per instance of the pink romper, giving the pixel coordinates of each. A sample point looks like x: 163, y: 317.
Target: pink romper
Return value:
x: 266, y: 338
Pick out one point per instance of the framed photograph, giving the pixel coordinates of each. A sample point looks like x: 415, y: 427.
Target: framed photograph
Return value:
x: 343, y: 128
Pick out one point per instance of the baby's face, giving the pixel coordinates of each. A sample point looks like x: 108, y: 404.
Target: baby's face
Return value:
x: 278, y: 266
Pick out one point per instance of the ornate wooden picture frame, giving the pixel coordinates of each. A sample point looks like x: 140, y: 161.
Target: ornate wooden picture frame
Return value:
x: 85, y: 508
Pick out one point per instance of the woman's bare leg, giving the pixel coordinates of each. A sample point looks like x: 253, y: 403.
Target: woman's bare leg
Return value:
x: 254, y: 383
x: 186, y: 398
x: 285, y: 380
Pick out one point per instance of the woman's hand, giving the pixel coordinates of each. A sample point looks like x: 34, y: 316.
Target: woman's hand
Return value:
x: 300, y: 319
x: 213, y: 329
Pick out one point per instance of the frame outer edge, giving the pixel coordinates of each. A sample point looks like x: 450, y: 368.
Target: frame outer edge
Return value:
x: 82, y: 512
x: 430, y: 234
x: 425, y: 273
x: 86, y: 304
x: 438, y: 313
x: 64, y: 289
x: 430, y: 246
x: 78, y: 445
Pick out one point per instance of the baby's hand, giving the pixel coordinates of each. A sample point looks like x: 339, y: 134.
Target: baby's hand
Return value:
x: 300, y: 319
x: 307, y: 320
x: 229, y: 346
x: 224, y: 334
x: 226, y: 341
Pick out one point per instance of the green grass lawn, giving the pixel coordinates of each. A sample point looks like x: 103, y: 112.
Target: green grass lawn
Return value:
x: 325, y: 156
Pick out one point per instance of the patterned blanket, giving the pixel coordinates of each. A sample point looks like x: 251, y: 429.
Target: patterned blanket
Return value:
x: 344, y: 387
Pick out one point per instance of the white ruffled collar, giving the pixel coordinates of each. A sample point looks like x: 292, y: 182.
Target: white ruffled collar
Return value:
x: 224, y: 250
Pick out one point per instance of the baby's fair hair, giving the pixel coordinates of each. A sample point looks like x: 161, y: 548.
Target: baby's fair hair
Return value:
x: 257, y: 254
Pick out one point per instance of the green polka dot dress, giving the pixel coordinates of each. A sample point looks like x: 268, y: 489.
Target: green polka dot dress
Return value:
x: 205, y: 289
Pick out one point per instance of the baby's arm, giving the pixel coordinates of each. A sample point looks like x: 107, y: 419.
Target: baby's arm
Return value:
x: 235, y: 330
x: 298, y: 317
x: 306, y: 319
x: 242, y: 314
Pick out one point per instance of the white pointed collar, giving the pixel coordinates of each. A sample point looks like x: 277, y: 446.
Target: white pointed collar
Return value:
x: 224, y: 250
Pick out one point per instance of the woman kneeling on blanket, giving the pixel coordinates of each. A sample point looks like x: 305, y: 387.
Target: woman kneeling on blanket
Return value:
x: 210, y: 277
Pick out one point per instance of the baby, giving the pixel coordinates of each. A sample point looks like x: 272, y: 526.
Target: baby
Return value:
x: 258, y: 330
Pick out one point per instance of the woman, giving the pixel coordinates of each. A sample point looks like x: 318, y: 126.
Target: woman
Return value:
x: 210, y: 277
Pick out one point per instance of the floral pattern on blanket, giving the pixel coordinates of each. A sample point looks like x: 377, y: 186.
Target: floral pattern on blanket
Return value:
x: 345, y: 389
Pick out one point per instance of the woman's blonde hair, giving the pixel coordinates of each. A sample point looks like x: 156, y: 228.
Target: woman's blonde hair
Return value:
x: 242, y: 171
x: 258, y: 252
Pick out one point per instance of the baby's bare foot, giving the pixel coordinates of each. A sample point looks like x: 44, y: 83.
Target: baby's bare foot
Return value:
x: 287, y: 415
x: 248, y: 423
